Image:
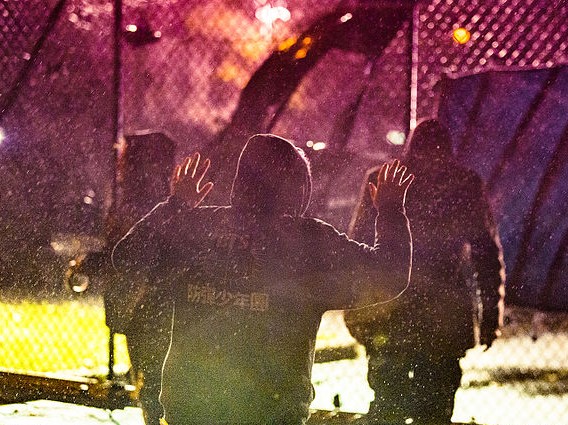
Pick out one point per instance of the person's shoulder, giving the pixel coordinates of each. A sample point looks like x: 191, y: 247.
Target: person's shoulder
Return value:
x: 312, y: 225
x: 173, y: 210
x: 172, y: 204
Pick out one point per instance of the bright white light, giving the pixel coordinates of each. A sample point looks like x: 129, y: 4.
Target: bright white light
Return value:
x: 396, y: 137
x: 268, y: 14
x: 346, y: 17
x: 2, y: 135
x: 317, y: 146
x: 88, y: 200
x: 131, y: 28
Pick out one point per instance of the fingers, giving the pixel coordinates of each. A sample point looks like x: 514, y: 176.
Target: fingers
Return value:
x: 191, y: 164
x: 204, y: 192
x: 393, y: 170
x: 203, y: 171
x: 407, y: 181
x: 189, y: 167
x: 395, y: 173
x: 176, y: 173
x: 372, y: 190
x: 383, y: 174
x: 188, y: 177
x: 185, y: 165
x: 399, y: 174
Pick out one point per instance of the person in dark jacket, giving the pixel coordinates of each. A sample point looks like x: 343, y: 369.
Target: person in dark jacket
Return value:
x: 143, y: 313
x: 251, y: 281
x: 414, y: 343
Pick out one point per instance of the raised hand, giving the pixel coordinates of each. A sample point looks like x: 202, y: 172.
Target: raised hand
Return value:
x: 391, y: 187
x: 187, y: 179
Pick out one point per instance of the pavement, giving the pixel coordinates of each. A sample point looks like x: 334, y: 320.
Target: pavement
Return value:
x: 45, y: 412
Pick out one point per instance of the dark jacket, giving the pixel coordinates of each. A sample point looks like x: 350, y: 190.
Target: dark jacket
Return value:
x: 249, y: 293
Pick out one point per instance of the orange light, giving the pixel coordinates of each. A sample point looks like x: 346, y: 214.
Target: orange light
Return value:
x: 301, y: 53
x: 461, y: 35
x: 307, y: 41
x: 286, y: 44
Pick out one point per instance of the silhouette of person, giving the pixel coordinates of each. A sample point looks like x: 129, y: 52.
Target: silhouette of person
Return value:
x: 251, y: 280
x: 415, y: 342
x: 143, y: 314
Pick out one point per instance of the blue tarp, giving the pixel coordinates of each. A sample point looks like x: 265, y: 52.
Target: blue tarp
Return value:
x: 512, y: 128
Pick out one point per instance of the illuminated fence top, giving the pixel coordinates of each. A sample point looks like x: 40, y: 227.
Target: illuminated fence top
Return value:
x: 189, y: 82
x: 234, y: 37
x: 503, y: 34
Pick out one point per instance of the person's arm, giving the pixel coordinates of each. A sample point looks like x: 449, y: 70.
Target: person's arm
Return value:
x: 358, y: 274
x: 144, y: 249
x: 362, y: 225
x: 487, y: 261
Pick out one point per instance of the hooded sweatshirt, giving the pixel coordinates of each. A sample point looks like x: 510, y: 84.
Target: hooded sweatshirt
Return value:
x: 250, y: 282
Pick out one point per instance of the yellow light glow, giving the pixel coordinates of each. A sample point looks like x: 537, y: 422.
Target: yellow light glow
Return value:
x: 227, y: 72
x: 232, y: 73
x: 286, y: 44
x: 252, y: 48
x: 461, y: 35
x: 307, y: 41
x: 302, y: 53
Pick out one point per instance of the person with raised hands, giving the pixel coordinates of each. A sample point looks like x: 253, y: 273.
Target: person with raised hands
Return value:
x: 251, y: 280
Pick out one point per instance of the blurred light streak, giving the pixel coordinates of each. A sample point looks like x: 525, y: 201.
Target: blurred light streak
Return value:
x: 2, y: 135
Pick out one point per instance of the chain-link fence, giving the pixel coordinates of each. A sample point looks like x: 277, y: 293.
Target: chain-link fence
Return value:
x: 344, y: 79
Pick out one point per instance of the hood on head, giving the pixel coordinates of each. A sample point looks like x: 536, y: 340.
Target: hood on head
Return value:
x: 429, y: 140
x: 273, y: 178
